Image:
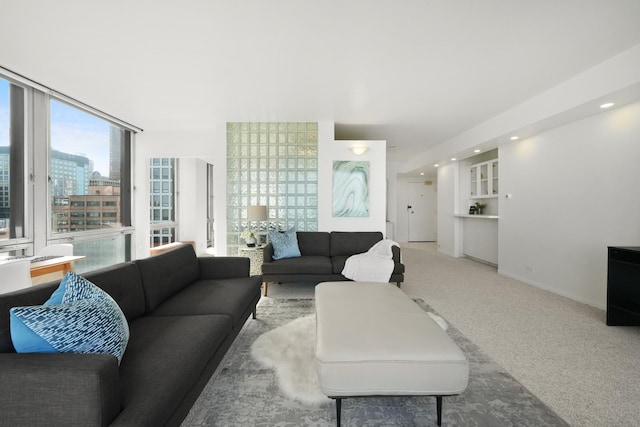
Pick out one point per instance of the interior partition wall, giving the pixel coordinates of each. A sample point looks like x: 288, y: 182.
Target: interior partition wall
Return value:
x: 273, y: 164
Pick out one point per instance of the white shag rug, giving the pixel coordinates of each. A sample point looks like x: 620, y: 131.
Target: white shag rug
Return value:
x: 291, y: 351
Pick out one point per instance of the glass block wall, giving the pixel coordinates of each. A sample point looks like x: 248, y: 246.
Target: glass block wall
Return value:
x: 272, y: 164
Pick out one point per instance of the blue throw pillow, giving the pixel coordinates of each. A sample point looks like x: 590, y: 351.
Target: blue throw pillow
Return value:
x: 75, y: 288
x: 285, y: 245
x: 78, y: 318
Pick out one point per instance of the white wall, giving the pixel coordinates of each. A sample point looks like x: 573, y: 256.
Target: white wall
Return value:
x: 392, y: 201
x: 192, y: 202
x: 575, y: 191
x: 328, y: 152
x: 449, y: 236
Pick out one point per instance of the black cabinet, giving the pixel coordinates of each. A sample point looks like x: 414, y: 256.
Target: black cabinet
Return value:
x: 623, y: 286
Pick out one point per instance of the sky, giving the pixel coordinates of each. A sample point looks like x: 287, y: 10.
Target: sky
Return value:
x: 4, y: 113
x: 72, y: 131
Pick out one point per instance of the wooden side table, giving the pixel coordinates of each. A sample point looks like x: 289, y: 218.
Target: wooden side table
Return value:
x: 255, y: 258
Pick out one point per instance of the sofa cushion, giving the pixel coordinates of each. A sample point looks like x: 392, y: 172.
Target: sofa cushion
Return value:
x: 165, y: 358
x: 166, y: 274
x: 35, y: 295
x: 314, y: 243
x: 354, y: 242
x: 121, y: 281
x: 338, y: 262
x: 231, y: 297
x: 285, y: 245
x: 301, y: 265
x: 78, y: 318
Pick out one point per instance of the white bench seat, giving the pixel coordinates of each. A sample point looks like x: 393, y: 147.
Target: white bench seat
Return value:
x: 373, y: 340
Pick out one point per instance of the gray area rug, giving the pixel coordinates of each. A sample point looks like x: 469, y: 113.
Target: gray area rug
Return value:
x: 243, y: 393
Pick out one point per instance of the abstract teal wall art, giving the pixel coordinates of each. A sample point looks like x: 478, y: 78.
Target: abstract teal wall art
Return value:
x: 350, y: 188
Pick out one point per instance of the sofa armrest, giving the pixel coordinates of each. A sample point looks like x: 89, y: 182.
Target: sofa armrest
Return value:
x: 223, y: 267
x: 267, y: 253
x: 397, y: 258
x: 61, y: 388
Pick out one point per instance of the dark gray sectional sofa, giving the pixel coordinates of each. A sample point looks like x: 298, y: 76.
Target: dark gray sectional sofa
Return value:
x: 183, y: 314
x: 323, y: 257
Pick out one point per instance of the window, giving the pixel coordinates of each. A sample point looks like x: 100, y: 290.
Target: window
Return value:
x: 12, y: 160
x: 162, y: 201
x: 84, y: 160
x: 53, y: 142
x: 89, y: 177
x: 210, y: 206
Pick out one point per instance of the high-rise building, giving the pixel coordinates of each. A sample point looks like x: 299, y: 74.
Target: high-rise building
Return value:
x: 162, y: 202
x: 115, y: 145
x: 70, y: 174
x: 5, y: 205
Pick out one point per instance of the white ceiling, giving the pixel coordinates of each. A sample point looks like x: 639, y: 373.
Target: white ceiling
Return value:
x: 415, y: 73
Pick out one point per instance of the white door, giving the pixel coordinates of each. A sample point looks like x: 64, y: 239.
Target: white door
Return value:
x: 421, y: 210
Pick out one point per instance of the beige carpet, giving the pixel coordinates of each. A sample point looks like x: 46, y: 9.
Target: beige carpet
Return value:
x: 561, y: 350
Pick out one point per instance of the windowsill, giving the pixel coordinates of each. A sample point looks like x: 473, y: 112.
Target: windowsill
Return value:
x: 476, y: 216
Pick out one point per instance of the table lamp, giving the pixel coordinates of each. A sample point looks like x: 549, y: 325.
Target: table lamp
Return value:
x: 257, y: 213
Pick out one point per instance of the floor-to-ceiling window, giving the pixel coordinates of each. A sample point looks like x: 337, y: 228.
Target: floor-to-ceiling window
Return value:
x: 65, y: 175
x: 12, y: 163
x: 88, y: 187
x: 272, y: 164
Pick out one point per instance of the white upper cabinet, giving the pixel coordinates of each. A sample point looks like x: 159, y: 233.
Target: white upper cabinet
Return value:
x: 483, y: 179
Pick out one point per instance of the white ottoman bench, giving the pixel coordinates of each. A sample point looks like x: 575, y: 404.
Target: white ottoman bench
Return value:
x: 373, y: 340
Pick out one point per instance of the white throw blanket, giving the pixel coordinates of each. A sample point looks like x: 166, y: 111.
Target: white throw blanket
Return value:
x: 375, y: 265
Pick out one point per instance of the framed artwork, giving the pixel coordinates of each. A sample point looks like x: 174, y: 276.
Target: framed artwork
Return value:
x: 350, y: 188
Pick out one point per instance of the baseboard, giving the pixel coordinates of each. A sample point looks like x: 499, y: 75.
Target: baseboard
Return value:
x: 553, y: 289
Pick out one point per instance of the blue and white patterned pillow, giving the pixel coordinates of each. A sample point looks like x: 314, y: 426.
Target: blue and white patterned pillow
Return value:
x: 78, y: 318
x: 285, y: 245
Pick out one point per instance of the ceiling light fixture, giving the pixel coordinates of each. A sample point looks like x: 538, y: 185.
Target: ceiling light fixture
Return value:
x: 436, y: 165
x: 514, y: 138
x: 607, y: 105
x: 421, y: 173
x: 358, y: 151
x: 476, y: 151
x: 453, y: 159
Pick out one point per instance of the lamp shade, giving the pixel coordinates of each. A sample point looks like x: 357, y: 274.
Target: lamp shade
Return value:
x: 257, y: 213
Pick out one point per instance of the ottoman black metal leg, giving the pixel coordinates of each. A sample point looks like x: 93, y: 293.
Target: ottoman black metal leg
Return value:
x: 439, y: 409
x: 338, y: 410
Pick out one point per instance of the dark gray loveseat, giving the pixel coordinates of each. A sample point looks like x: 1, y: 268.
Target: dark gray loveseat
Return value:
x: 183, y: 314
x: 323, y: 257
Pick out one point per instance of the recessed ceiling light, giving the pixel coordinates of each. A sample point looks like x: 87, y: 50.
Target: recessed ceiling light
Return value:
x: 514, y: 137
x: 436, y: 165
x: 607, y: 105
x: 453, y: 159
x: 421, y: 173
x: 476, y: 151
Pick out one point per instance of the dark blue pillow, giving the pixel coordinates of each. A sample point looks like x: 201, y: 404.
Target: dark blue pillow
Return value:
x: 285, y: 245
